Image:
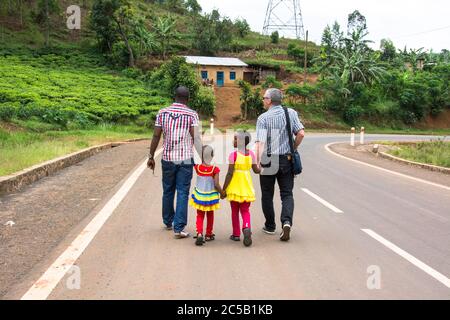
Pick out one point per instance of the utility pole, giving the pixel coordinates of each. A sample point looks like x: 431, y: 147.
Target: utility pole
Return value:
x: 47, y: 17
x: 305, y: 75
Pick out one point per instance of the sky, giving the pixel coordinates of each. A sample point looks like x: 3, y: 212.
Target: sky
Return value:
x: 410, y: 23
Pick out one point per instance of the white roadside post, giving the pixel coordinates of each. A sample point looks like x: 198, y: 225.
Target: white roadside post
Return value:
x: 352, y: 137
x: 361, y: 137
x: 212, y: 126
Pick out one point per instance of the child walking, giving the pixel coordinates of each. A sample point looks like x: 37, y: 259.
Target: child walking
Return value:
x: 206, y: 195
x: 238, y: 186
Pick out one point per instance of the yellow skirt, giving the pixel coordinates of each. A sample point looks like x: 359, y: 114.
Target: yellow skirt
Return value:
x: 241, y: 187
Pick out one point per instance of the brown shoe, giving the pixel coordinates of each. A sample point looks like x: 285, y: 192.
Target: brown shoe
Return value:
x: 285, y: 234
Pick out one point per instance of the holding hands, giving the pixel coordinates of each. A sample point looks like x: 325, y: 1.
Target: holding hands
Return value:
x: 223, y: 194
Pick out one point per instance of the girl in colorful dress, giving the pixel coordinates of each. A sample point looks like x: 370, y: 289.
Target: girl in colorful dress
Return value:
x: 239, y: 186
x: 206, y: 195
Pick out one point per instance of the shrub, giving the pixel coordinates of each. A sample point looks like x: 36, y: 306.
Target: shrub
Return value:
x: 147, y: 120
x: 251, y: 101
x: 305, y: 92
x: 72, y: 93
x: 272, y: 82
x: 205, y: 102
x: 353, y: 114
x: 177, y: 73
x: 275, y: 37
x: 7, y: 112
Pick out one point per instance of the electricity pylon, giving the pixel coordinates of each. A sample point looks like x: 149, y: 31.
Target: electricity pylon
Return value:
x: 284, y: 15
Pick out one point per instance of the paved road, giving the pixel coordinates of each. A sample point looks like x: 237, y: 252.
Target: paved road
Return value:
x: 392, y: 231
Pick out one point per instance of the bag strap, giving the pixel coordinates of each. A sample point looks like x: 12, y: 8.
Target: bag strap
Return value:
x: 289, y: 129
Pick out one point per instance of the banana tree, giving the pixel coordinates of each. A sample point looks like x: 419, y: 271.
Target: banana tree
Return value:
x: 165, y: 33
x: 356, y: 67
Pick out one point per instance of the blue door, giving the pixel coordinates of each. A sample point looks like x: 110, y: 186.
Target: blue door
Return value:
x: 220, y: 78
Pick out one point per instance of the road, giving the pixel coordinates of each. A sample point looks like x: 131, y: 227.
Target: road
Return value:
x: 359, y: 233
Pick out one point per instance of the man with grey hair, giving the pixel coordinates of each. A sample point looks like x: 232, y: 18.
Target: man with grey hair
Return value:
x: 274, y: 155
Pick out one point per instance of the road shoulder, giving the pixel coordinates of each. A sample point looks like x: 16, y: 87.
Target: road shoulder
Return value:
x: 360, y: 153
x: 45, y: 212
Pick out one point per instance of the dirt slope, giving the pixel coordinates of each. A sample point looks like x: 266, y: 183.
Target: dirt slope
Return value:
x: 228, y: 107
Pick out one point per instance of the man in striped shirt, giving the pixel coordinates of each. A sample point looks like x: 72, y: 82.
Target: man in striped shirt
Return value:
x: 179, y: 126
x: 274, y: 155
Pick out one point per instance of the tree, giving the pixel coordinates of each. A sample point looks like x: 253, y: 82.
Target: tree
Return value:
x: 251, y: 102
x: 13, y: 8
x: 205, y: 36
x: 275, y: 37
x: 45, y: 9
x: 388, y: 50
x: 211, y: 33
x: 225, y: 30
x: 123, y: 18
x: 356, y: 67
x: 356, y: 23
x: 145, y: 39
x: 113, y: 20
x: 193, y: 6
x: 165, y: 33
x: 333, y: 37
x: 243, y: 27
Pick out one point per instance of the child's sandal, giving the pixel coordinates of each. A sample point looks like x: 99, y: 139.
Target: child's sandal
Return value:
x: 200, y: 240
x: 210, y: 237
x: 235, y: 238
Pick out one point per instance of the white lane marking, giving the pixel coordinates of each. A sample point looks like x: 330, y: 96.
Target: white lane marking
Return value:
x: 430, y: 271
x: 325, y: 203
x: 43, y: 287
x: 327, y: 147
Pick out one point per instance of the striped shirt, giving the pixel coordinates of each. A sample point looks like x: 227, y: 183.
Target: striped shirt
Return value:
x: 271, y: 130
x: 176, y: 122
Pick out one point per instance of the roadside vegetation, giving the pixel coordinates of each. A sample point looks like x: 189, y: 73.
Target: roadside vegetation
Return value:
x: 358, y: 86
x: 109, y: 80
x: 434, y: 152
x: 30, y: 143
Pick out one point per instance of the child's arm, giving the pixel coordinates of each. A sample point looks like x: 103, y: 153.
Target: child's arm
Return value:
x: 256, y: 168
x: 229, y: 176
x: 217, y: 184
x: 255, y: 165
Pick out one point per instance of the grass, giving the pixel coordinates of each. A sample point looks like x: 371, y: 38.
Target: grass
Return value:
x: 434, y: 152
x: 244, y: 126
x: 408, y: 131
x: 21, y: 148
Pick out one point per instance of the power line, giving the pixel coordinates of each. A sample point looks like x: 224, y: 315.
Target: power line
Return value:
x: 420, y: 33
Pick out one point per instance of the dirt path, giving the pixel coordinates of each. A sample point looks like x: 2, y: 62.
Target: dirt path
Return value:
x: 228, y: 108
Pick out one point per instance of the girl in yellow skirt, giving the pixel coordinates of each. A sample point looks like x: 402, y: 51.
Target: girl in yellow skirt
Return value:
x: 239, y: 186
x: 206, y: 195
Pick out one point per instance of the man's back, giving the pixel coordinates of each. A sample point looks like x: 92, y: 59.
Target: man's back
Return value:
x: 271, y: 128
x: 176, y: 122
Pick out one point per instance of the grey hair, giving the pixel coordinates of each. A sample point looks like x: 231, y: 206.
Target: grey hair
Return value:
x: 275, y: 95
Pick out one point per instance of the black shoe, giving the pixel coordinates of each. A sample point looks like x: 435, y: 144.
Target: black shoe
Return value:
x: 200, y: 241
x: 234, y: 238
x: 285, y: 234
x: 211, y: 237
x: 265, y: 230
x: 247, y: 237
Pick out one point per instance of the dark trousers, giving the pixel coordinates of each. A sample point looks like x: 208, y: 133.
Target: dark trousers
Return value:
x: 285, y: 179
x: 176, y: 177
